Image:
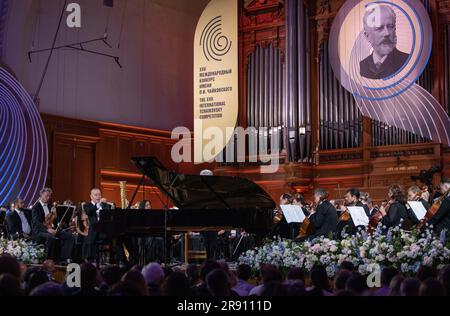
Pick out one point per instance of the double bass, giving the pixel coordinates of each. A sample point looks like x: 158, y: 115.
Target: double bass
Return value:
x: 433, y: 210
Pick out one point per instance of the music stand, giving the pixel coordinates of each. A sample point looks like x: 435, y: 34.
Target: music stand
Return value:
x: 64, y: 214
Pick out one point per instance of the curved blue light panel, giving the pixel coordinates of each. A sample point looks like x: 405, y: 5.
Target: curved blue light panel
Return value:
x: 23, y: 143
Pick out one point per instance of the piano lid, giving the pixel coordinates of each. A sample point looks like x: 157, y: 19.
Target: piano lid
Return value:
x: 207, y: 192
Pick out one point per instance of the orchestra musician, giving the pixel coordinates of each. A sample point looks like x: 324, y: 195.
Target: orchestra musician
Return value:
x: 441, y: 219
x: 92, y: 210
x: 373, y: 208
x: 323, y: 216
x: 145, y: 205
x: 414, y: 193
x: 43, y: 230
x: 395, y: 211
x: 17, y: 221
x: 298, y: 200
x: 346, y: 225
x: 282, y: 228
x: 150, y: 248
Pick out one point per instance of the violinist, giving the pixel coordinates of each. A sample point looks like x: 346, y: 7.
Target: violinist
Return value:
x: 395, y: 212
x: 283, y: 229
x: 414, y: 194
x: 323, y: 216
x: 351, y: 198
x: 298, y: 200
x: 43, y: 230
x: 17, y: 220
x: 80, y: 227
x: 81, y: 221
x: 441, y: 219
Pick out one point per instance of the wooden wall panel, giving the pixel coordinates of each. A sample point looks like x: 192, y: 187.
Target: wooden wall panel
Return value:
x: 73, y: 166
x: 108, y: 146
x: 87, y: 154
x: 84, y: 161
x: 62, y: 168
x: 124, y: 153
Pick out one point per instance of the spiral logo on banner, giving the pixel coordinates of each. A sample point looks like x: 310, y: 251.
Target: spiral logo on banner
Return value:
x: 23, y: 155
x: 215, y: 44
x: 378, y: 50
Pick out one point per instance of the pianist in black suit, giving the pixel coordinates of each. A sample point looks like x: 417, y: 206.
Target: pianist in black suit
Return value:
x: 386, y: 59
x: 324, y: 216
x: 17, y: 221
x: 43, y: 234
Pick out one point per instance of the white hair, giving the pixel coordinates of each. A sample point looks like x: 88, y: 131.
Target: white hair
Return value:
x: 369, y: 11
x: 206, y: 172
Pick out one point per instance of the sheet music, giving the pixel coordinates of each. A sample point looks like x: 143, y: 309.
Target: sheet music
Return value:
x: 358, y: 215
x: 293, y: 213
x: 418, y: 209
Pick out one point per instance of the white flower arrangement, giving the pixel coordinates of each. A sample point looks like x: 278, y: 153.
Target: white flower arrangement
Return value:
x: 25, y: 251
x: 405, y: 250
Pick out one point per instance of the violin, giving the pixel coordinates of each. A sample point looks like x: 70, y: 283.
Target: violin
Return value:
x: 80, y: 223
x: 278, y: 216
x: 376, y: 218
x: 306, y: 228
x: 51, y: 216
x: 433, y: 210
x: 345, y: 215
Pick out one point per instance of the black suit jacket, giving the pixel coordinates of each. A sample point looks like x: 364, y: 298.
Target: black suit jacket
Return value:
x: 395, y: 214
x: 91, y: 211
x: 393, y: 62
x: 349, y: 226
x: 14, y: 223
x: 37, y: 219
x: 412, y: 216
x: 441, y: 220
x: 324, y: 220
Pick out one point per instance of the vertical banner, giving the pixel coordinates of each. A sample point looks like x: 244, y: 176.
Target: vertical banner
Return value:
x: 215, y: 78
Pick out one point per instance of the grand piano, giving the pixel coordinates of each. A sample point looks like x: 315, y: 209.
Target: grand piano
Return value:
x: 202, y: 203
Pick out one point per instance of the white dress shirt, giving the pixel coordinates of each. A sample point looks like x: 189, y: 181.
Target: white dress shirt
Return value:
x: 99, y: 208
x: 26, y: 229
x: 378, y: 60
x: 45, y: 207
